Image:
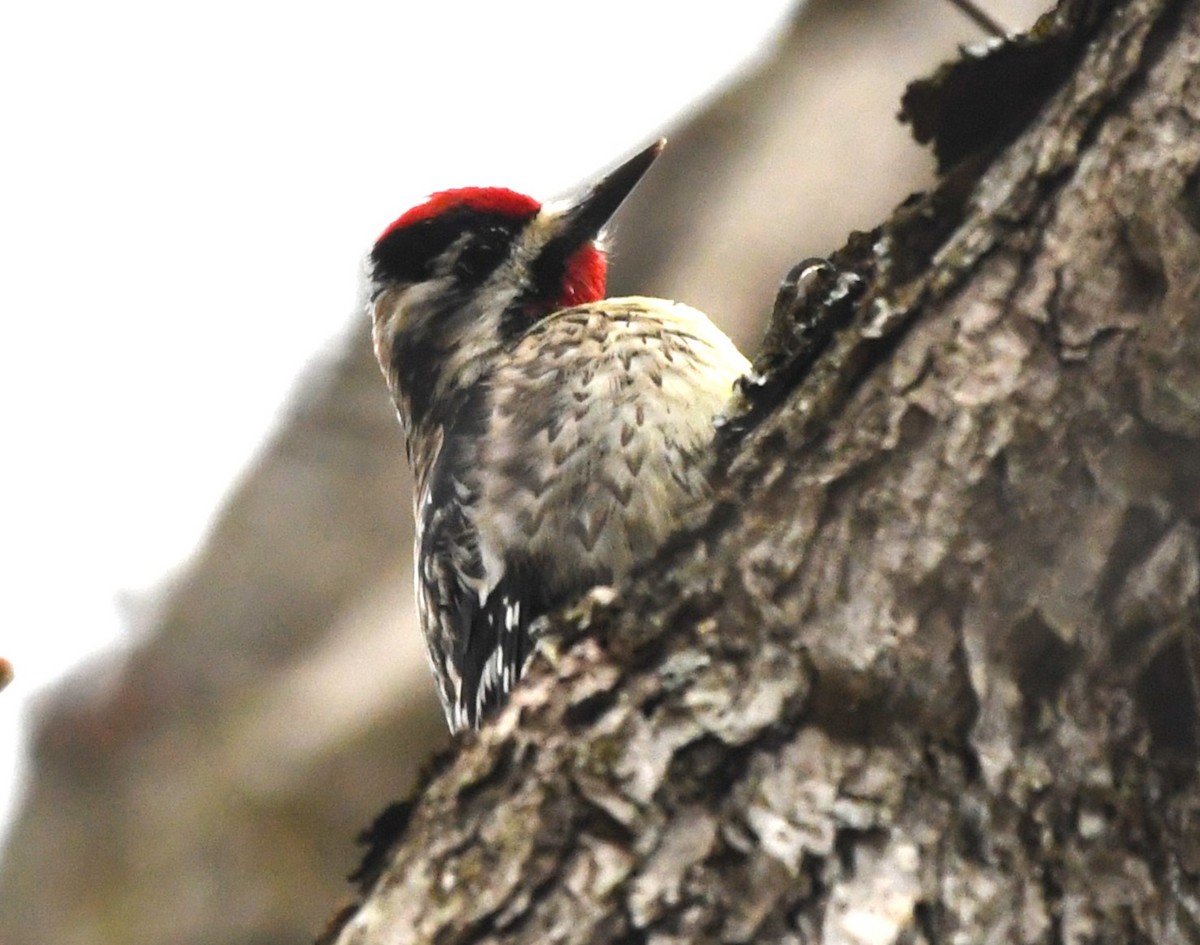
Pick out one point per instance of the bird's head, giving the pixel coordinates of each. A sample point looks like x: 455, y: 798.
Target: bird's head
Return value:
x: 457, y: 278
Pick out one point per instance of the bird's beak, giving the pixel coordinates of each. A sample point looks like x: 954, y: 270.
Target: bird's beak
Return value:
x: 582, y: 220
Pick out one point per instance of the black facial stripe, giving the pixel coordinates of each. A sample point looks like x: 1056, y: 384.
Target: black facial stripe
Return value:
x: 547, y: 270
x: 409, y: 253
x: 542, y: 291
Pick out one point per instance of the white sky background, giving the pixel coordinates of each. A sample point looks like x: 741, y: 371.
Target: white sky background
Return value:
x: 185, y: 194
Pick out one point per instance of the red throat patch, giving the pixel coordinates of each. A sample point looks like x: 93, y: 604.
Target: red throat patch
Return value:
x: 585, y: 277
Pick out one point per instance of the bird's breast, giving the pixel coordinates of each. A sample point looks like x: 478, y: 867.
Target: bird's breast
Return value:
x: 598, y: 436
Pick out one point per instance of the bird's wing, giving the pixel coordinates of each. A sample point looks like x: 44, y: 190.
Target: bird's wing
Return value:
x: 476, y: 618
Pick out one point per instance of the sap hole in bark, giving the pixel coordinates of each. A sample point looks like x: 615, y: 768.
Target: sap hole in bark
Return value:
x: 1165, y: 694
x: 707, y: 768
x: 1141, y: 281
x: 1042, y: 658
x: 586, y: 711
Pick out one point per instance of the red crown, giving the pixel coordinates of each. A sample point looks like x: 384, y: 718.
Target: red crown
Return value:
x: 484, y: 199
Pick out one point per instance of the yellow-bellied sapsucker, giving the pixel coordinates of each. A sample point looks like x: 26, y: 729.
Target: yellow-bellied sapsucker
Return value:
x: 555, y: 436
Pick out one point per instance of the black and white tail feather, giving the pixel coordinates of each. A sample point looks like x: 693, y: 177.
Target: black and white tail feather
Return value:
x: 477, y: 624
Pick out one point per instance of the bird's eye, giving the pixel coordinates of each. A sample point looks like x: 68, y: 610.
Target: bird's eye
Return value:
x: 482, y: 255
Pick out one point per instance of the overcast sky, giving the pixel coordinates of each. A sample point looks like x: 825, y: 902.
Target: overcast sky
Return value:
x: 185, y: 196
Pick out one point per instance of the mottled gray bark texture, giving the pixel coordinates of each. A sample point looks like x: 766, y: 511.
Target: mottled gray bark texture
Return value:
x: 926, y: 670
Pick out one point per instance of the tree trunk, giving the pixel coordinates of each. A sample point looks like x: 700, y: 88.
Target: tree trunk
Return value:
x: 926, y: 671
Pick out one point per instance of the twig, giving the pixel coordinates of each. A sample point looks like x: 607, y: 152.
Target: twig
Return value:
x: 981, y: 19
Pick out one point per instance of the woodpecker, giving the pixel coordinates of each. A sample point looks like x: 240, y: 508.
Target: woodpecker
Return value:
x: 555, y: 436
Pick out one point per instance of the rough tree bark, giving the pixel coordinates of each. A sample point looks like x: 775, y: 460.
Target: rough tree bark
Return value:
x: 926, y: 670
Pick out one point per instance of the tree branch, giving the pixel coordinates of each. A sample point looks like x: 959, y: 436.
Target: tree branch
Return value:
x: 925, y: 670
